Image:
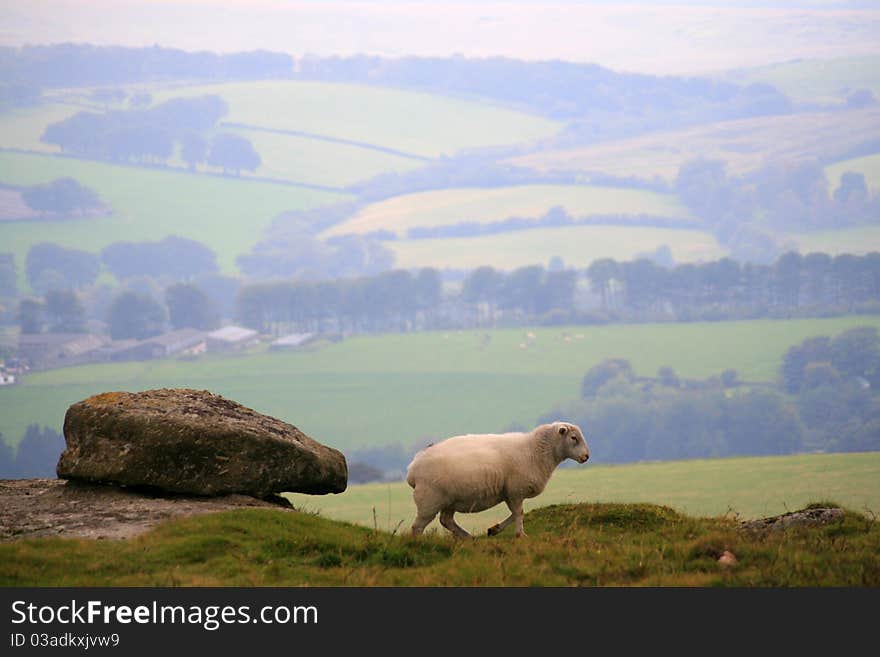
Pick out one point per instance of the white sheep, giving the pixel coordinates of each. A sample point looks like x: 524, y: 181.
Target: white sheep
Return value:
x: 475, y: 472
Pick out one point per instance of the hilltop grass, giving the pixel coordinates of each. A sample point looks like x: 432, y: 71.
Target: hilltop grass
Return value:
x: 578, y: 246
x: 748, y: 487
x: 568, y: 545
x: 419, y: 123
x: 403, y: 388
x: 451, y: 206
x: 227, y: 214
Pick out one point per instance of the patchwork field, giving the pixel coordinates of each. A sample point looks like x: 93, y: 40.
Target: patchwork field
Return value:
x: 751, y: 487
x: 408, y: 388
x: 419, y: 123
x: 451, y: 206
x: 745, y: 145
x: 578, y: 246
x: 227, y: 214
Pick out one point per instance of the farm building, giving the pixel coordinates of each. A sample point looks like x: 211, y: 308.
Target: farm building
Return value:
x: 292, y: 341
x: 47, y: 350
x: 181, y: 341
x: 231, y: 338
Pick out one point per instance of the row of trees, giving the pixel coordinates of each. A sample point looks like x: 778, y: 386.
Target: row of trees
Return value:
x: 49, y: 266
x: 148, y: 136
x: 130, y: 314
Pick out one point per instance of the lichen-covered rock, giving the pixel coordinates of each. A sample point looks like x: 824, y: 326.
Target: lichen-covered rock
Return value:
x: 193, y: 442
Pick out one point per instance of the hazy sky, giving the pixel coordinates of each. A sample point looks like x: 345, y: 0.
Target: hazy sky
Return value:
x: 656, y: 38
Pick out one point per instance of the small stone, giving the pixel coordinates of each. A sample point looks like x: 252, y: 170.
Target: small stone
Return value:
x: 727, y: 558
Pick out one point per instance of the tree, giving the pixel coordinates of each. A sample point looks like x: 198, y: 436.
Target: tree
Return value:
x: 193, y: 149
x: 852, y: 188
x: 65, y: 312
x: 190, y: 307
x: 61, y: 196
x: 38, y: 452
x: 8, y: 278
x: 31, y: 316
x: 175, y: 258
x: 796, y: 359
x: 762, y: 422
x: 135, y: 316
x: 606, y: 371
x: 233, y: 153
x: 74, y: 267
x: 856, y: 353
x: 602, y: 273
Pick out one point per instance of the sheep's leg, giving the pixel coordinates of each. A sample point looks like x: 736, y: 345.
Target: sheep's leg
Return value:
x: 501, y: 526
x: 447, y: 519
x: 516, y: 512
x: 421, y: 522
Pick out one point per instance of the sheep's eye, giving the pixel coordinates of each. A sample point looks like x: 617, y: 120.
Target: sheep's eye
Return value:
x: 574, y: 439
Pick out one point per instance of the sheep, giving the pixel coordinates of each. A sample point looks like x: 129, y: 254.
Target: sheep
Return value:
x: 475, y: 472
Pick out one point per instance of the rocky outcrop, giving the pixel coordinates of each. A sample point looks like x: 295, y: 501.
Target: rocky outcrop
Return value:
x: 35, y: 508
x: 193, y: 442
x: 804, y: 518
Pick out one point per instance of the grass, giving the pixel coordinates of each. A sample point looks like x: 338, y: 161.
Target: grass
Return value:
x: 288, y: 157
x: 869, y: 166
x: 418, y: 123
x: 578, y: 246
x: 857, y: 241
x: 750, y: 487
x: 746, y: 145
x: 827, y: 81
x: 452, y: 206
x: 569, y: 545
x: 403, y: 388
x: 23, y: 127
x: 226, y: 214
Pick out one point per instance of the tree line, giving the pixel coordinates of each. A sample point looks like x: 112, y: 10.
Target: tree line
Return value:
x: 84, y: 65
x: 148, y: 136
x: 36, y: 456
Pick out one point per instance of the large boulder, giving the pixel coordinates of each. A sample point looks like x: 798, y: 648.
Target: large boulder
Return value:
x: 193, y: 442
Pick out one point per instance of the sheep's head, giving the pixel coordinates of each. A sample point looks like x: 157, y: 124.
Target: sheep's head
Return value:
x: 571, y: 441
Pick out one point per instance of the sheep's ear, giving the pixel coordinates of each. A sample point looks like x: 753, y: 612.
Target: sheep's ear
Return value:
x: 563, y: 430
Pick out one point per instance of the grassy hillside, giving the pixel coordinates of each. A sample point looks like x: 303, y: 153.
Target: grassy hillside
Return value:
x: 578, y: 246
x: 869, y: 166
x: 226, y: 214
x: 817, y: 80
x: 418, y: 123
x: 568, y: 545
x: 745, y: 145
x: 404, y: 388
x: 316, y: 162
x: 752, y: 487
x: 23, y: 127
x: 452, y: 206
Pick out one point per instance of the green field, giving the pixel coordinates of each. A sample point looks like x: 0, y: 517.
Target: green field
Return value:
x: 869, y: 166
x: 22, y: 128
x: 857, y: 241
x: 317, y: 162
x: 578, y: 246
x: 418, y: 123
x: 451, y: 206
x: 826, y: 81
x: 407, y: 388
x: 227, y: 214
x: 751, y: 487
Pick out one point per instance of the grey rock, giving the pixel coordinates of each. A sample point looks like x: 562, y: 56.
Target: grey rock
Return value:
x: 193, y: 442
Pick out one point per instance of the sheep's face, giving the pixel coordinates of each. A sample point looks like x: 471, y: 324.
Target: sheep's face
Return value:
x: 572, y: 441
